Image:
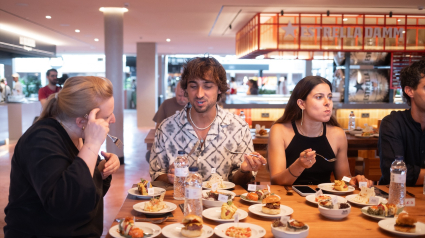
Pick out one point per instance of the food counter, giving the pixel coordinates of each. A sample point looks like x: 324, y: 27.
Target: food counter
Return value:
x: 21, y: 116
x: 4, y: 132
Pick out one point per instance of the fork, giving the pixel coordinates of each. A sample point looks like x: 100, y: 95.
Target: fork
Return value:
x: 329, y: 160
x: 116, y: 141
x: 154, y: 221
x: 235, y: 152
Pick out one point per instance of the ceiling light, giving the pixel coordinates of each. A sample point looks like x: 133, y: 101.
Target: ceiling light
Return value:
x: 108, y: 9
x: 398, y: 20
x: 345, y: 19
x: 168, y: 40
x: 76, y: 30
x: 95, y: 39
x: 48, y: 17
x: 404, y: 32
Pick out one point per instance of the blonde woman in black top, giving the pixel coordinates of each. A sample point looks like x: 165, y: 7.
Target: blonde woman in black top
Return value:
x: 56, y: 181
x: 307, y: 128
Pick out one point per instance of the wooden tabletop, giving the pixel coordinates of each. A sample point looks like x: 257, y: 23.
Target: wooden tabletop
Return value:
x: 354, y: 143
x: 355, y: 225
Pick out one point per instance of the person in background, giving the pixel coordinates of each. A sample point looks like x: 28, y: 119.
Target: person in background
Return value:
x: 233, y: 86
x: 253, y: 87
x: 204, y: 81
x: 50, y: 88
x: 57, y: 180
x: 306, y: 129
x: 17, y: 88
x: 4, y: 90
x: 402, y: 133
x: 170, y: 106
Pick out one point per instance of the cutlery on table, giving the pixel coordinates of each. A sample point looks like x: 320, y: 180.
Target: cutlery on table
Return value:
x: 154, y: 221
x: 289, y: 190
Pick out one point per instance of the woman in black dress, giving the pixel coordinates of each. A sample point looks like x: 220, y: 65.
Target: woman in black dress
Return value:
x: 307, y: 128
x: 57, y: 181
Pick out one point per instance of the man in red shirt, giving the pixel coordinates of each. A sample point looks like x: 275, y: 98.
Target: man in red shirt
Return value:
x: 46, y: 91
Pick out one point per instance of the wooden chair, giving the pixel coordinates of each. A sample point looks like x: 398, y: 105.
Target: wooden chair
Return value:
x: 352, y: 165
x: 372, y: 169
x: 267, y: 124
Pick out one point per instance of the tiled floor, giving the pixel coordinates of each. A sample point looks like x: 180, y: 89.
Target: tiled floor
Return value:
x: 135, y: 167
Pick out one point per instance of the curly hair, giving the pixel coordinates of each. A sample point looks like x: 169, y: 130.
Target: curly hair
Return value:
x: 410, y: 76
x: 201, y: 67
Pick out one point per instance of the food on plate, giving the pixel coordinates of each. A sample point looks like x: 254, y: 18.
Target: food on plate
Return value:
x: 228, y: 210
x: 143, y: 186
x: 215, y: 178
x: 252, y: 196
x: 213, y: 195
x: 322, y: 198
x: 238, y: 232
x: 155, y: 204
x: 262, y: 193
x: 327, y: 204
x: 192, y: 226
x: 364, y: 195
x: 343, y: 205
x: 292, y: 225
x: 272, y: 205
x: 386, y: 210
x: 340, y: 185
x: 367, y: 134
x: 262, y: 132
x: 405, y: 223
x: 127, y: 229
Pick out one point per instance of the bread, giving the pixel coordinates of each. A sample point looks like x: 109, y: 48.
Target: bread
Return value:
x: 228, y: 210
x: 271, y: 199
x: 192, y: 226
x: 340, y: 185
x: 270, y: 211
x: 252, y: 196
x: 272, y: 205
x: 405, y: 223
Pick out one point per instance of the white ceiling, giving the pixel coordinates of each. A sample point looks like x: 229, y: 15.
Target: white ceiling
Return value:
x: 194, y: 26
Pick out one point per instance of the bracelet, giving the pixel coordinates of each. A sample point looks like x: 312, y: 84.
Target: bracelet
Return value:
x: 292, y: 173
x: 244, y: 172
x: 88, y: 147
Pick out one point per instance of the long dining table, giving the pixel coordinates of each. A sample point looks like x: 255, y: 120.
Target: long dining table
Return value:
x: 354, y: 225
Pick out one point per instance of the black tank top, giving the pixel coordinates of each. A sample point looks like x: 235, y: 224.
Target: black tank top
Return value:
x: 321, y: 171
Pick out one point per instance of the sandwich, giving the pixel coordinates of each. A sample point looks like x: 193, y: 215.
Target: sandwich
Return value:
x: 252, y: 196
x: 405, y: 223
x: 272, y: 205
x: 155, y: 204
x: 143, y: 186
x: 228, y: 210
x: 127, y: 229
x: 340, y: 185
x: 192, y: 226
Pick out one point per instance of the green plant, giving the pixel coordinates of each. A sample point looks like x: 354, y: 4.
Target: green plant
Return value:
x: 30, y: 84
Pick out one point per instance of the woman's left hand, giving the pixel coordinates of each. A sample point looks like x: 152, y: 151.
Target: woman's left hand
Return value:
x: 360, y: 178
x: 112, y: 164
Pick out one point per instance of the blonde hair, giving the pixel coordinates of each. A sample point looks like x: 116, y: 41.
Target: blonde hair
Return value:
x: 78, y: 97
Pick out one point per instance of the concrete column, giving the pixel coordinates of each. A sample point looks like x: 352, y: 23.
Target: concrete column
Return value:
x: 113, y: 19
x: 308, y: 68
x: 147, y: 84
x: 160, y: 79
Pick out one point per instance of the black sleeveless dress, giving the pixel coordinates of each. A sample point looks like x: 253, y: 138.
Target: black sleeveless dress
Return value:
x: 321, y: 171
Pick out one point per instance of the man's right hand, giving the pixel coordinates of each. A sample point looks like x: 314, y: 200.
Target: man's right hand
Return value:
x: 170, y: 173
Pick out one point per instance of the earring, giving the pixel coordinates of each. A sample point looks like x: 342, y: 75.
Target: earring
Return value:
x: 302, y: 116
x: 83, y: 128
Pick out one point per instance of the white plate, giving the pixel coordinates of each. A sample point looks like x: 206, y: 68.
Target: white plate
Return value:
x: 215, y: 213
x: 256, y: 231
x: 141, y: 205
x: 329, y: 187
x: 173, y: 231
x: 284, y: 211
x: 364, y: 211
x: 146, y: 227
x: 388, y: 225
x: 210, y: 203
x: 228, y: 185
x: 135, y: 192
x: 360, y: 135
x: 350, y: 198
x: 243, y: 197
x: 312, y: 198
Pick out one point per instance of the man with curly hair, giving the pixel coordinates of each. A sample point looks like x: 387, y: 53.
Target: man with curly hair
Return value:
x: 204, y: 82
x: 402, y: 133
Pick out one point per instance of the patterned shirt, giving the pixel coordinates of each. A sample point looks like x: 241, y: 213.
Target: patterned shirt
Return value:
x: 176, y: 133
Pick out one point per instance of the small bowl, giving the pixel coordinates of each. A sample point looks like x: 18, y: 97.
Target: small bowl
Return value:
x: 209, y: 203
x: 281, y: 233
x: 335, y: 214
